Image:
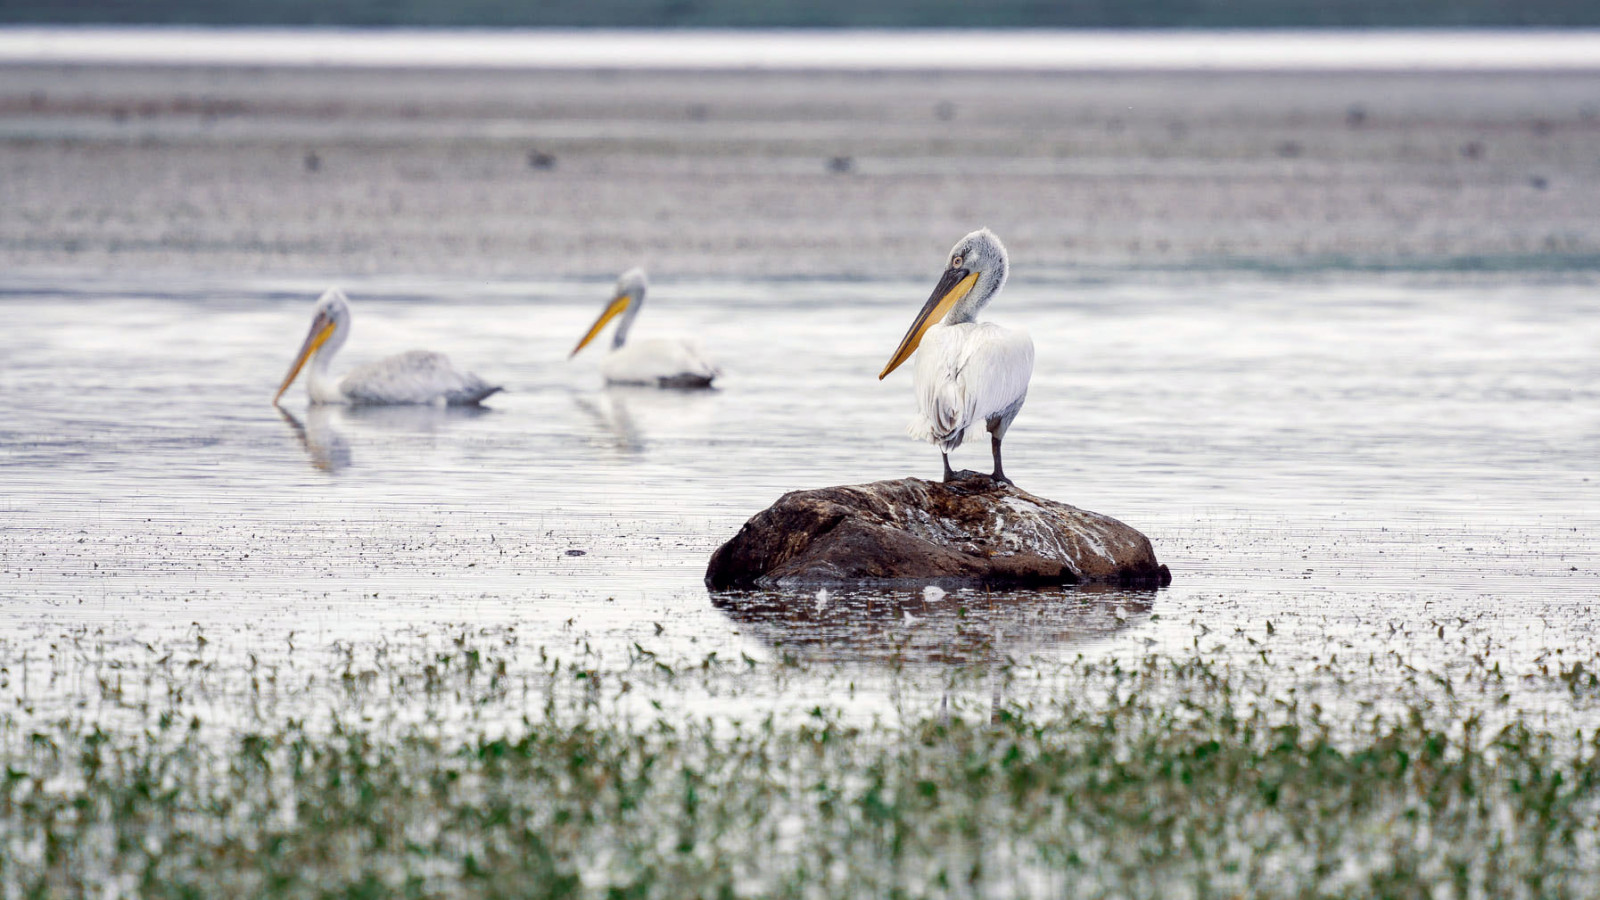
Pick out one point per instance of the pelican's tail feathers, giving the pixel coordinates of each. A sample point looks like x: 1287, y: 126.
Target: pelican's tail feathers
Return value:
x: 474, y: 394
x: 917, y: 429
x: 922, y: 430
x: 687, y: 380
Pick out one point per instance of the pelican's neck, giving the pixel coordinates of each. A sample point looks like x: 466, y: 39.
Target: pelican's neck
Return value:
x: 626, y: 321
x: 987, y: 286
x: 320, y: 383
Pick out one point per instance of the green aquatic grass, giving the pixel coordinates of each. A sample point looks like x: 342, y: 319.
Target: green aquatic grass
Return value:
x: 452, y: 772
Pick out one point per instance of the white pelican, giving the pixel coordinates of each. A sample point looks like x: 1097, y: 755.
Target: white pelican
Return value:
x: 415, y: 377
x: 967, y: 372
x: 664, y: 362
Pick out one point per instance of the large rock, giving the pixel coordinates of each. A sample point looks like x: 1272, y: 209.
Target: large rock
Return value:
x: 973, y: 530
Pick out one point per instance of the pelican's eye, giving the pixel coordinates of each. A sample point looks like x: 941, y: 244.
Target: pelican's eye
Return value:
x: 955, y: 261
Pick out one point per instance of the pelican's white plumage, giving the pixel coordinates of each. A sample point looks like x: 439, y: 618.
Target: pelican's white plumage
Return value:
x: 967, y: 373
x: 414, y: 377
x: 666, y: 362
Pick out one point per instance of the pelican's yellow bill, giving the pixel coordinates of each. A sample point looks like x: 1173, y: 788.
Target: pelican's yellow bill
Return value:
x: 321, y: 330
x: 951, y: 288
x: 611, y: 312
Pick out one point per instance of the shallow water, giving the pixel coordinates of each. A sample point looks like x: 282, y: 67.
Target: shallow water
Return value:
x: 1400, y: 463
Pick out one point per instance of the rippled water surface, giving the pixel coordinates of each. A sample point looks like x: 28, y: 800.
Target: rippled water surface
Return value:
x: 1367, y: 462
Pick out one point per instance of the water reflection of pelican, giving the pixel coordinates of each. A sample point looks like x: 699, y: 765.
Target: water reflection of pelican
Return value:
x: 416, y: 377
x: 412, y: 419
x: 609, y: 409
x: 328, y: 449
x: 628, y: 416
x: 932, y: 626
x: 322, y: 434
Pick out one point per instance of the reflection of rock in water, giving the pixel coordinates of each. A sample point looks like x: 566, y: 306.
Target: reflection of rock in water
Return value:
x: 320, y: 437
x: 617, y: 430
x: 968, y: 626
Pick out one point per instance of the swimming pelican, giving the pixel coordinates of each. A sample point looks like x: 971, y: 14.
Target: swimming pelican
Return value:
x: 967, y: 371
x: 418, y: 376
x: 664, y: 362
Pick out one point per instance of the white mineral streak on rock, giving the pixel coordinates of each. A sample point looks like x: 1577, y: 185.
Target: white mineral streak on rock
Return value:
x: 1032, y: 532
x: 1093, y: 536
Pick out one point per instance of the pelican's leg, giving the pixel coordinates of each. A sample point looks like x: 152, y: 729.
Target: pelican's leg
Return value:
x: 997, y: 431
x: 999, y: 473
x: 948, y: 475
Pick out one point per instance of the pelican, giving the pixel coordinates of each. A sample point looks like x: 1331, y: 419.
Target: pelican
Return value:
x: 664, y: 362
x: 967, y: 371
x: 415, y: 377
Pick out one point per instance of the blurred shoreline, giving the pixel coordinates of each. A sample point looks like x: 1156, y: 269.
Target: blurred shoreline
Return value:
x: 875, y: 50
x: 561, y: 173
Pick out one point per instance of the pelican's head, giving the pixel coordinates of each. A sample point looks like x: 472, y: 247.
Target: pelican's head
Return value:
x: 975, y: 272
x: 330, y: 326
x: 627, y: 298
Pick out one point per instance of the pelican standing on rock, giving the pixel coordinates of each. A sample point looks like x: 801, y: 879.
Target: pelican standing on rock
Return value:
x: 416, y: 377
x: 664, y: 362
x: 967, y: 372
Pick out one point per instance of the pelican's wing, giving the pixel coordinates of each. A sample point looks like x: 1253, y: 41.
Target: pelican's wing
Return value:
x: 419, y: 376
x: 966, y: 374
x: 658, y: 360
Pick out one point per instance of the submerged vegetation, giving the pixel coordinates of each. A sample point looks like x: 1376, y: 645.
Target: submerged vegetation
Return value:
x: 465, y: 765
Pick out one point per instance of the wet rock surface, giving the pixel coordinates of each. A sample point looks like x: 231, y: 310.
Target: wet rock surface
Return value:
x: 973, y: 531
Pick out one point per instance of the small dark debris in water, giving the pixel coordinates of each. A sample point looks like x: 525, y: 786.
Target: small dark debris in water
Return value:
x: 1538, y: 182
x: 1290, y: 149
x: 1355, y: 116
x: 1543, y: 127
x: 698, y: 111
x: 577, y: 552
x: 313, y: 162
x: 540, y: 160
x: 944, y: 111
x: 1472, y: 150
x: 841, y: 164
